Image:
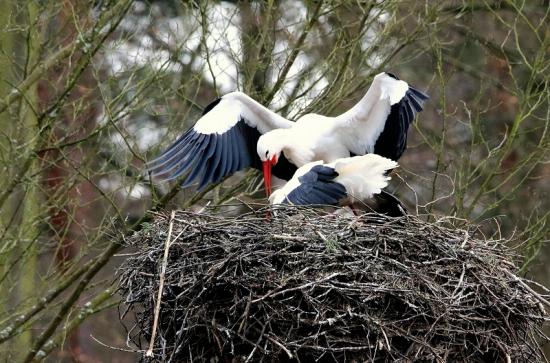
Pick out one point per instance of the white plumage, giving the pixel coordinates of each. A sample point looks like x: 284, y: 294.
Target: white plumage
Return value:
x: 236, y: 132
x: 315, y: 137
x: 346, y: 181
x: 235, y: 106
x: 363, y: 176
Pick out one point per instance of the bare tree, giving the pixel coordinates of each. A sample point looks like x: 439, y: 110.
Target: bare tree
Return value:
x: 87, y: 94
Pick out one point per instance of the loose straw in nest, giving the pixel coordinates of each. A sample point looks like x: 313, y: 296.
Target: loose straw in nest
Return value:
x: 306, y: 286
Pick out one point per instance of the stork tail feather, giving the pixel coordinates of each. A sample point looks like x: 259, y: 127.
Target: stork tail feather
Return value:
x: 388, y: 204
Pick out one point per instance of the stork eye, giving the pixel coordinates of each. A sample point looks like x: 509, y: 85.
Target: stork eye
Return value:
x: 266, y: 152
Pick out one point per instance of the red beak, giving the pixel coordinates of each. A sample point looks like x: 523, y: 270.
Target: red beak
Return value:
x: 267, y: 173
x: 267, y: 177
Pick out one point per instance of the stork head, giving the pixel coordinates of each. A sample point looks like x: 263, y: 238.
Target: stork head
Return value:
x: 269, y: 150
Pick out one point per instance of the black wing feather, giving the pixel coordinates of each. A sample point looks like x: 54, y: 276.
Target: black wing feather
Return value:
x: 418, y: 94
x: 245, y: 159
x: 196, y: 160
x: 212, y: 164
x: 233, y: 141
x: 415, y: 103
x: 174, y: 167
x: 224, y: 165
x: 317, y: 186
x: 171, y: 150
x: 392, y: 142
x: 209, y: 158
x: 173, y: 156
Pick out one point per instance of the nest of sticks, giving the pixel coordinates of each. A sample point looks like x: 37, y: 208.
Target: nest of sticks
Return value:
x: 308, y: 286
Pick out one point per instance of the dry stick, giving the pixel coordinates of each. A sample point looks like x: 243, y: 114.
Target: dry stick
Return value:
x: 292, y: 57
x: 167, y: 244
x: 273, y: 293
x: 275, y: 341
x: 90, y: 272
x: 527, y: 287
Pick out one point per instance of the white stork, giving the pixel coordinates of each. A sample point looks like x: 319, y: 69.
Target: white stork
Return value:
x: 236, y: 132
x: 356, y: 182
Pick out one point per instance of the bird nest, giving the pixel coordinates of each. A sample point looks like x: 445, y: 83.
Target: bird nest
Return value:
x: 309, y: 286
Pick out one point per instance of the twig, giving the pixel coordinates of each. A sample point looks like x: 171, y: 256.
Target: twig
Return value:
x: 273, y: 294
x: 167, y: 244
x: 294, y: 53
x: 527, y: 287
x: 466, y: 235
x: 276, y: 342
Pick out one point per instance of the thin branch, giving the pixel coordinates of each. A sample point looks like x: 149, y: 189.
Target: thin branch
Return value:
x: 167, y: 244
x: 295, y: 51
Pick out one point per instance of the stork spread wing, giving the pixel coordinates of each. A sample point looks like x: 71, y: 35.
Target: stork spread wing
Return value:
x: 222, y: 142
x: 382, y: 117
x: 313, y: 185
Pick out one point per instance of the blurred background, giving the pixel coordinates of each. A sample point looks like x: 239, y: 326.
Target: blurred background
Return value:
x: 91, y: 90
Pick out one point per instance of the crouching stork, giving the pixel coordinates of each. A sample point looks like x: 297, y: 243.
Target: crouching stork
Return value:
x: 357, y: 182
